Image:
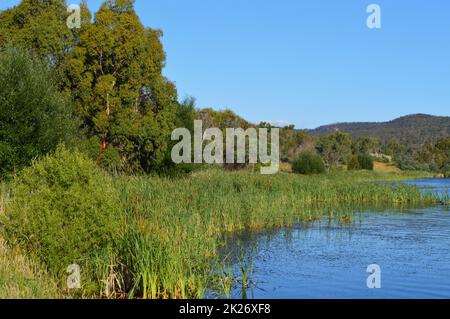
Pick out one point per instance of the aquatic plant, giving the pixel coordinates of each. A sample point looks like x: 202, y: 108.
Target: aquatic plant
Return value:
x: 178, y: 224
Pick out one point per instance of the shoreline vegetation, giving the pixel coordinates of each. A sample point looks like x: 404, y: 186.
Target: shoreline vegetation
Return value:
x: 87, y: 176
x: 172, y: 228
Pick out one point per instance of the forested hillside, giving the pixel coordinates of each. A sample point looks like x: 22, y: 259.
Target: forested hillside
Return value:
x: 410, y: 130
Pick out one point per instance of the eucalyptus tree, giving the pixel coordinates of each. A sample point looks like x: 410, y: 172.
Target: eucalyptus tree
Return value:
x: 114, y: 74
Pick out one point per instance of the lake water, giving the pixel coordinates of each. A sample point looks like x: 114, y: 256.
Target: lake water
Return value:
x: 330, y: 260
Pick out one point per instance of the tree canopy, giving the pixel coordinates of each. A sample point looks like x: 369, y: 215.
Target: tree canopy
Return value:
x: 112, y: 70
x: 39, y: 26
x: 115, y: 76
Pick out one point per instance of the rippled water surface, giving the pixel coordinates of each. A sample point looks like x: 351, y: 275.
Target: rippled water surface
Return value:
x: 329, y: 260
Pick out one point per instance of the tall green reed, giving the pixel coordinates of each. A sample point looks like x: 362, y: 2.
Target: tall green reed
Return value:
x: 176, y: 225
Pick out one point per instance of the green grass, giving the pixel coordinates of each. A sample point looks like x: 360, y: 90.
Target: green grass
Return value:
x: 175, y: 227
x: 19, y: 276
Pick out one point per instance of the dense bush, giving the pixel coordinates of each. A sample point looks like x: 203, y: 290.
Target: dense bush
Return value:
x: 446, y: 171
x: 64, y: 210
x: 354, y: 164
x: 34, y: 116
x: 362, y: 161
x: 408, y: 164
x: 308, y: 163
x: 365, y: 161
x: 108, y: 159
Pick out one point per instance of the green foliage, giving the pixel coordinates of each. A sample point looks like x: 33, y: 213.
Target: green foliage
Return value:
x: 406, y: 163
x: 395, y: 149
x: 39, y: 26
x: 109, y: 160
x: 365, y: 146
x: 335, y: 149
x: 354, y: 164
x: 186, y: 114
x: 34, y: 116
x: 308, y: 163
x: 414, y: 142
x: 410, y: 131
x: 293, y: 142
x: 157, y: 272
x: 365, y: 161
x: 222, y: 119
x: 123, y: 100
x: 64, y: 210
x: 361, y: 161
x: 433, y: 157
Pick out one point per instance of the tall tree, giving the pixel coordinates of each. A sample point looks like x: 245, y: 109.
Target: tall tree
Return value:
x: 115, y: 75
x: 365, y: 145
x: 335, y: 149
x: 39, y: 26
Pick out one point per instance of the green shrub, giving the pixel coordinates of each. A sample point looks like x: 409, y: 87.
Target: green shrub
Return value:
x: 362, y: 161
x: 64, y: 210
x: 34, y: 116
x: 354, y: 163
x: 446, y: 170
x: 308, y: 163
x: 365, y: 161
x: 109, y: 159
x: 409, y: 164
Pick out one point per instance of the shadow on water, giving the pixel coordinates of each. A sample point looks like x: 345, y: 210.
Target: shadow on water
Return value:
x: 329, y: 258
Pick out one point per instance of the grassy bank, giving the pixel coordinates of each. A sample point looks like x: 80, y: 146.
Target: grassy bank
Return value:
x: 174, y: 227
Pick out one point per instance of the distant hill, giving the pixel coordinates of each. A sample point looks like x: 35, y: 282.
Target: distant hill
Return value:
x: 409, y: 130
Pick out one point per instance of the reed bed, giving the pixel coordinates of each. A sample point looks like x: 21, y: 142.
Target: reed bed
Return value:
x: 177, y: 225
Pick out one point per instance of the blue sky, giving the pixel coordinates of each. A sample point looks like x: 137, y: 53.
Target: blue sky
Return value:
x: 306, y: 62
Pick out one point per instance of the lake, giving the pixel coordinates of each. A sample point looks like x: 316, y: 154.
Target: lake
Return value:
x: 328, y: 259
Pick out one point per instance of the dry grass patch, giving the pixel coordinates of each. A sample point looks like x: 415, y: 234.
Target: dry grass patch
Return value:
x: 22, y: 279
x: 385, y: 168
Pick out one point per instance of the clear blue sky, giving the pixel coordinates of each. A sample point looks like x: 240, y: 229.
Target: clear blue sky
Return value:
x: 306, y: 62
